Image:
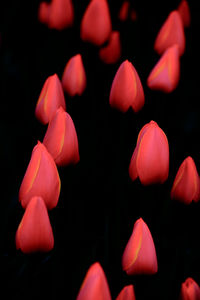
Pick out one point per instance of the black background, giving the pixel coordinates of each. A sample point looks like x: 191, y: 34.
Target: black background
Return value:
x: 98, y: 203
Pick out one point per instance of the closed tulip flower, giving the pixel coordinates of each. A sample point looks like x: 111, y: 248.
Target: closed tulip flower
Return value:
x: 150, y: 159
x: 184, y: 11
x: 127, y: 293
x: 43, y: 12
x: 186, y: 186
x: 61, y: 139
x: 139, y: 256
x: 34, y: 233
x: 111, y: 53
x: 95, y: 285
x: 41, y: 178
x: 126, y: 90
x: 190, y: 290
x: 50, y: 99
x: 124, y: 11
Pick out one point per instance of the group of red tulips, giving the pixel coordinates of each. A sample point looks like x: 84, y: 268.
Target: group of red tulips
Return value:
x: 40, y: 187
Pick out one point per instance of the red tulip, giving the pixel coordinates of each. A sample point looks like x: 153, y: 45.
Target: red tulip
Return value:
x: 133, y: 15
x: 43, y: 12
x: 172, y: 32
x: 139, y: 256
x: 35, y: 232
x: 190, y: 290
x: 74, y: 77
x: 127, y: 293
x: 126, y: 90
x: 41, y: 178
x: 96, y: 24
x: 186, y: 186
x: 61, y: 139
x: 95, y: 285
x: 61, y: 14
x: 111, y: 53
x: 184, y: 12
x: 166, y: 73
x: 150, y: 159
x: 50, y: 99
x: 124, y: 10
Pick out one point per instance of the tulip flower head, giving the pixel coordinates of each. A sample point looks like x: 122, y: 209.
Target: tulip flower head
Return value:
x: 127, y: 293
x: 171, y: 32
x: 96, y: 24
x: 184, y: 11
x: 111, y: 53
x: 95, y: 285
x: 61, y: 139
x: 43, y: 12
x: 186, y: 186
x: 41, y: 178
x: 166, y: 73
x: 150, y: 159
x: 190, y: 290
x: 34, y: 233
x: 126, y: 90
x: 50, y: 99
x: 139, y: 256
x: 124, y: 11
x: 74, y: 77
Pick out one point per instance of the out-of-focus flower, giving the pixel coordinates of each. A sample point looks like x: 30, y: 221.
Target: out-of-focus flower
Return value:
x: 35, y: 232
x: 41, y: 178
x: 127, y: 293
x: 139, y: 256
x: 171, y: 32
x: 150, y: 159
x: 166, y: 73
x: 184, y: 11
x: 50, y: 99
x: 61, y: 139
x: 74, y: 77
x: 96, y: 25
x: 43, y: 12
x: 186, y: 186
x: 124, y: 11
x: 95, y: 285
x: 111, y: 53
x: 126, y: 90
x: 190, y: 290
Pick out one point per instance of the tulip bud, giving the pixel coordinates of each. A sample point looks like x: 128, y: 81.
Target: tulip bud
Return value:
x: 127, y: 293
x: 166, y: 73
x: 150, y: 159
x: 61, y: 14
x: 96, y: 24
x: 74, y: 77
x: 43, y: 12
x: 95, y: 285
x: 35, y: 232
x: 139, y: 256
x: 186, y: 186
x: 61, y: 139
x: 171, y: 32
x: 111, y: 53
x: 41, y: 178
x: 124, y: 10
x: 184, y: 12
x: 50, y: 99
x: 126, y: 90
x: 190, y: 290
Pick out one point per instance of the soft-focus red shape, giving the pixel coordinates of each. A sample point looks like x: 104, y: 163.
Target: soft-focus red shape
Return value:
x: 127, y: 293
x: 190, y: 290
x: 50, y: 99
x: 41, y: 178
x: 43, y: 12
x: 166, y: 73
x: 126, y: 90
x: 95, y: 285
x: 133, y: 15
x: 96, y: 24
x: 111, y: 53
x: 124, y: 11
x: 139, y: 256
x: 61, y: 14
x: 150, y: 159
x: 186, y: 186
x: 61, y: 139
x: 171, y: 32
x: 35, y: 232
x: 74, y: 77
x: 184, y: 11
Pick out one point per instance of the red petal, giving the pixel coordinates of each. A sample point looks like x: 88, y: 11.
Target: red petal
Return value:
x: 61, y: 14
x: 124, y: 10
x: 34, y: 232
x: 43, y: 12
x: 127, y: 293
x: 111, y: 53
x: 190, y: 290
x: 184, y: 12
